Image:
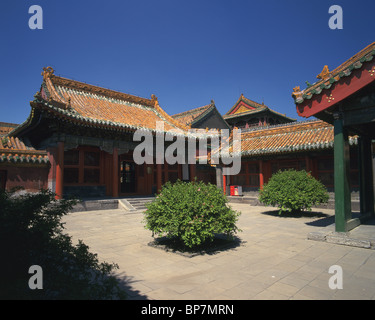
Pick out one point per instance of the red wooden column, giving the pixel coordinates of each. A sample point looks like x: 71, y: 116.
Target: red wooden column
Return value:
x: 158, y: 177
x: 60, y: 170
x: 261, y: 174
x: 192, y: 171
x: 115, y: 175
x: 224, y: 184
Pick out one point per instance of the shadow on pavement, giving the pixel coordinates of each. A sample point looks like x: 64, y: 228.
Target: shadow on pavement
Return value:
x: 125, y: 283
x: 323, y: 219
x: 324, y: 222
x: 219, y: 244
x: 306, y: 214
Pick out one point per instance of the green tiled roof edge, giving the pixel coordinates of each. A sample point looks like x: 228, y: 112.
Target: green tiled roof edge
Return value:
x: 327, y: 84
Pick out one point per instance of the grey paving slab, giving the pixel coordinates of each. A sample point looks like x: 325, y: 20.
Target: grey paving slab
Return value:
x: 275, y: 259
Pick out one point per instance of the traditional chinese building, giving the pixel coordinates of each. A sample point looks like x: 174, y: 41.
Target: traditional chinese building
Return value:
x: 271, y: 141
x: 79, y: 138
x: 203, y: 117
x: 304, y: 145
x: 247, y: 114
x: 86, y: 133
x: 345, y: 98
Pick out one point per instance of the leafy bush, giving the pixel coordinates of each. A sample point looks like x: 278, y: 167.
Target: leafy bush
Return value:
x: 293, y: 191
x: 192, y: 212
x: 31, y: 233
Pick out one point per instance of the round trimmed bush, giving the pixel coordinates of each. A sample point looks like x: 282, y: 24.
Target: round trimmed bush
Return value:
x: 293, y: 191
x: 192, y: 212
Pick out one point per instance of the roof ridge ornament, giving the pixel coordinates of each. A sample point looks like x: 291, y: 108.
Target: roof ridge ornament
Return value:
x: 297, y: 93
x: 154, y: 100
x: 47, y: 72
x: 325, y: 74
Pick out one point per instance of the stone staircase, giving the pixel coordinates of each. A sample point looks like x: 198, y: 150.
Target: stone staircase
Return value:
x: 129, y: 205
x: 136, y: 204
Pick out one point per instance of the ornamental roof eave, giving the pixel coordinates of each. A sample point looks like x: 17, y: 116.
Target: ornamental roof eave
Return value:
x: 19, y: 158
x: 327, y: 78
x: 13, y: 150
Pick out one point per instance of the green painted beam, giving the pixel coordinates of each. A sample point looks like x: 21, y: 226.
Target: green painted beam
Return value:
x: 342, y: 188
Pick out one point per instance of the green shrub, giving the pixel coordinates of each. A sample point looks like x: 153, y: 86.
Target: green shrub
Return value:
x: 192, y: 212
x: 293, y: 191
x: 31, y: 233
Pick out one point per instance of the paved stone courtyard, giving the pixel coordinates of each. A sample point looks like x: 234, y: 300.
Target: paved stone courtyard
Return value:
x: 273, y: 261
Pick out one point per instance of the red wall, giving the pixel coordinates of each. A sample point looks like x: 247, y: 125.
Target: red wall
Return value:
x: 32, y: 179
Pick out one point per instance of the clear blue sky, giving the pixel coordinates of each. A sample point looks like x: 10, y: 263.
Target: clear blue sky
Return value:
x: 184, y: 52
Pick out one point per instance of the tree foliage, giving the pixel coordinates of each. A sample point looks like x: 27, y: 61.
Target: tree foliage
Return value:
x: 31, y: 233
x: 192, y: 212
x: 293, y: 191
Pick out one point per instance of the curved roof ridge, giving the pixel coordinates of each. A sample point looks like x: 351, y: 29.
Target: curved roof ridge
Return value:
x: 283, y: 125
x: 188, y: 112
x: 48, y: 73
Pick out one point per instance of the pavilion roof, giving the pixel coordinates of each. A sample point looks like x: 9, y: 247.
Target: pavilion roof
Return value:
x: 87, y: 104
x: 245, y: 106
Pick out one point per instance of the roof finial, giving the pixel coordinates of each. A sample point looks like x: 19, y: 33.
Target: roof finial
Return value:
x: 154, y: 100
x: 47, y: 72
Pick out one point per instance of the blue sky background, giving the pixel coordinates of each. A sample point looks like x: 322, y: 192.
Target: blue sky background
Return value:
x: 184, y: 52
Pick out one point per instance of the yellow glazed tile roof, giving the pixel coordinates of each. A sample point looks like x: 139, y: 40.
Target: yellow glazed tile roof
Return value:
x: 84, y: 103
x: 293, y: 137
